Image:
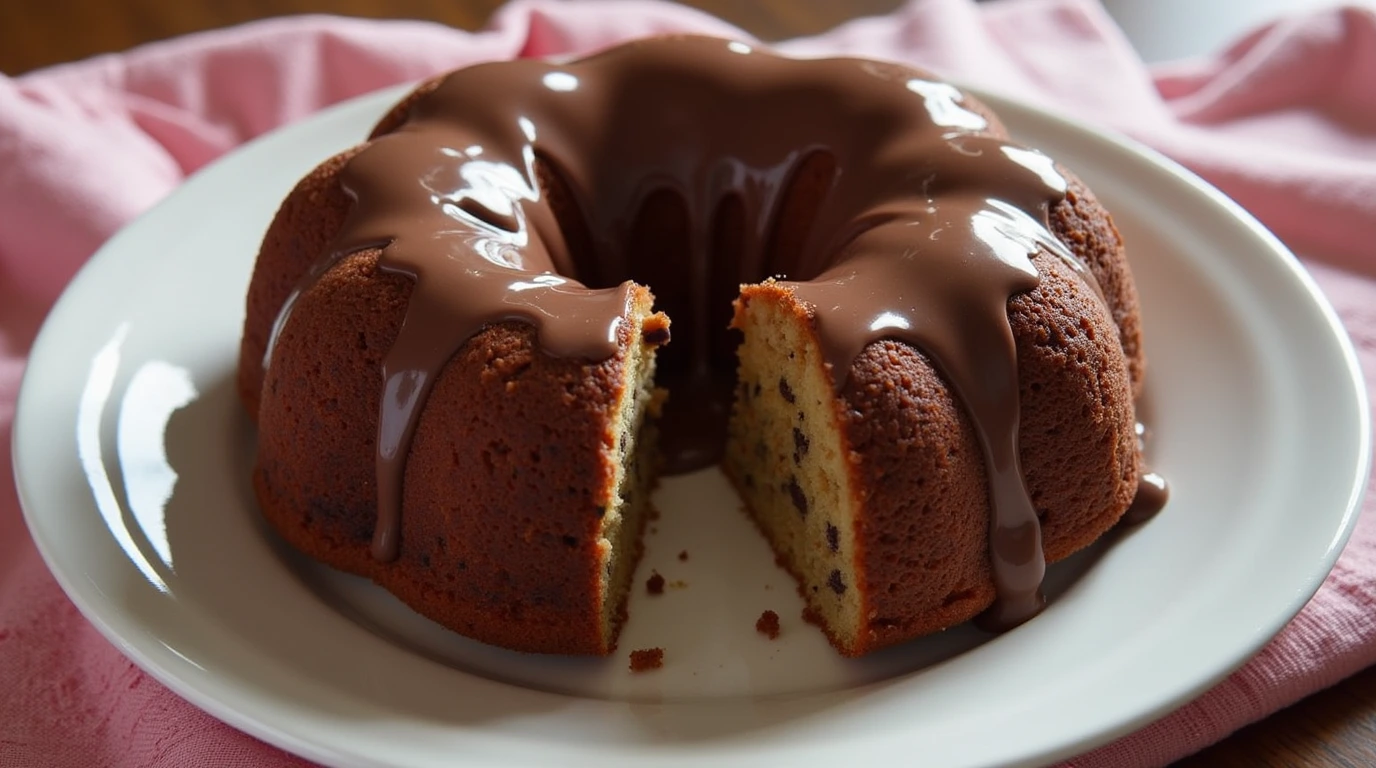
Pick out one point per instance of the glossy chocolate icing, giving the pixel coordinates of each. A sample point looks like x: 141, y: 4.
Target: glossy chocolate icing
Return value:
x: 1152, y: 495
x: 925, y: 230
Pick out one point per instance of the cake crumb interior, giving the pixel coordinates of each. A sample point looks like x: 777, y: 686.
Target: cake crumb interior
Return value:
x: 783, y: 454
x: 634, y: 457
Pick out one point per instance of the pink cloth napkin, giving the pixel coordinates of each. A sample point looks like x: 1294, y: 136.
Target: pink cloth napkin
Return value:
x: 1284, y: 121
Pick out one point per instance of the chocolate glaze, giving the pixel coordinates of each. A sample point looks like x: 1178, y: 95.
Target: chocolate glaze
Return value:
x: 1152, y: 490
x: 926, y: 229
x: 1152, y: 494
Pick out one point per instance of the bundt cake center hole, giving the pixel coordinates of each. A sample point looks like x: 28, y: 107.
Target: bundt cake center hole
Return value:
x: 663, y: 229
x: 799, y: 208
x: 581, y: 263
x: 695, y: 263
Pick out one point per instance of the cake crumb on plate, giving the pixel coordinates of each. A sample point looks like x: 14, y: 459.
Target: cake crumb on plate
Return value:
x: 768, y: 624
x: 647, y: 659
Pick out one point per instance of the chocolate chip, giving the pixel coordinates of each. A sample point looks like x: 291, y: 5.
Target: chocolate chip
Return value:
x: 757, y: 388
x: 655, y: 584
x: 570, y: 542
x: 787, y: 391
x: 656, y: 336
x: 834, y: 581
x: 833, y: 538
x: 799, y: 498
x: 800, y: 445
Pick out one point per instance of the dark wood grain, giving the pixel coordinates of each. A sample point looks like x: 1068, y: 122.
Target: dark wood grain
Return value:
x: 1332, y: 729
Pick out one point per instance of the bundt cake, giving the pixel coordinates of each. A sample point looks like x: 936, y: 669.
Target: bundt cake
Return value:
x: 911, y: 344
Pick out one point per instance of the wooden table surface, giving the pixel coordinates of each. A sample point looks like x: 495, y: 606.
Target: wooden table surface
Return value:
x: 1332, y: 729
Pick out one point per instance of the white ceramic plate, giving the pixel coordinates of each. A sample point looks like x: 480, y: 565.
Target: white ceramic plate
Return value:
x: 132, y: 458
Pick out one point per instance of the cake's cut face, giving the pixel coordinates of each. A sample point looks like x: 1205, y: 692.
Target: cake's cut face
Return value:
x: 787, y: 457
x: 452, y: 355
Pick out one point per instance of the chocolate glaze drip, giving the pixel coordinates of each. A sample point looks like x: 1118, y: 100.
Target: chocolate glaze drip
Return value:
x: 1152, y: 495
x: 925, y: 229
x: 1152, y: 490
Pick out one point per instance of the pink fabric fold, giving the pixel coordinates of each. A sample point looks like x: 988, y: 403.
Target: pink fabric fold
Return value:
x: 1284, y: 121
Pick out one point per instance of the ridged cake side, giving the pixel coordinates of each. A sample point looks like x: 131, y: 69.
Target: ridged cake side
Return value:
x: 527, y: 485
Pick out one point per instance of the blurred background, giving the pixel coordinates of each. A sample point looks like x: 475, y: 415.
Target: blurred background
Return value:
x: 38, y: 33
x: 35, y: 33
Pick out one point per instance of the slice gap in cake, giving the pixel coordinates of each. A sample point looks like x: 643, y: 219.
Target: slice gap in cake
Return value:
x: 785, y: 454
x: 633, y: 452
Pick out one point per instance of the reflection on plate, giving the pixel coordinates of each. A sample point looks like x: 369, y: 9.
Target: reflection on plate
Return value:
x: 132, y: 457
